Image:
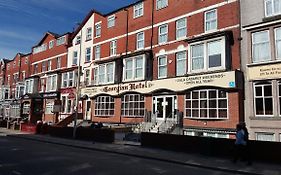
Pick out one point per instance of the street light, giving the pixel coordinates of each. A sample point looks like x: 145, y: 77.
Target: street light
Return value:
x: 77, y: 86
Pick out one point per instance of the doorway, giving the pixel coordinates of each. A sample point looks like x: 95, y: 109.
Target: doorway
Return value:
x: 164, y: 107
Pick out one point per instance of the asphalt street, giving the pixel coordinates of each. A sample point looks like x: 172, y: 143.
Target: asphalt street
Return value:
x: 26, y: 157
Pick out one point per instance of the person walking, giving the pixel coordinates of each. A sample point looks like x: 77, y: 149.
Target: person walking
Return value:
x: 247, y: 150
x: 240, y: 143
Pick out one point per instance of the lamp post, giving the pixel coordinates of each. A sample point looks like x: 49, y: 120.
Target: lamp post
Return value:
x: 77, y: 86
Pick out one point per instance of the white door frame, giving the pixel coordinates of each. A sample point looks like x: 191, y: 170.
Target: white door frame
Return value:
x: 164, y: 105
x: 88, y: 113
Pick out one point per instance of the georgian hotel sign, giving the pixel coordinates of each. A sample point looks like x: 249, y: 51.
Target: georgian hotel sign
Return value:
x: 264, y: 72
x: 221, y: 80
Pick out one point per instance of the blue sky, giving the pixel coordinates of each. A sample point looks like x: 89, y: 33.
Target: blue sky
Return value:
x: 24, y: 22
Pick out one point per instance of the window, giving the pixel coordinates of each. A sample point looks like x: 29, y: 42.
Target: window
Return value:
x: 68, y: 79
x: 87, y: 77
x: 88, y: 55
x: 51, y: 83
x: 66, y: 104
x: 98, y: 29
x: 43, y: 82
x: 181, y: 28
x: 260, y: 46
x: 162, y: 66
x: 49, y: 65
x: 113, y: 47
x: 51, y: 44
x: 89, y: 34
x: 29, y: 86
x: 23, y: 75
x: 140, y: 41
x: 163, y: 34
x: 64, y: 79
x: 265, y: 137
x: 206, y: 104
x: 278, y: 43
x: 75, y: 57
x: 26, y: 60
x: 111, y: 21
x: 78, y: 39
x: 97, y: 52
x: 134, y: 68
x: 132, y: 105
x: 138, y: 10
x: 207, y: 55
x: 210, y: 20
x: 49, y: 107
x: 161, y: 4
x: 41, y: 48
x: 104, y: 106
x: 43, y: 66
x: 58, y: 62
x: 61, y: 41
x: 26, y: 108
x: 104, y: 74
x: 181, y: 63
x: 272, y: 7
x: 19, y: 91
x: 263, y: 99
x: 8, y: 79
x: 14, y: 65
x: 35, y: 71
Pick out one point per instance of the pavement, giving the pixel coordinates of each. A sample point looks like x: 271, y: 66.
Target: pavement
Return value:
x: 136, y: 150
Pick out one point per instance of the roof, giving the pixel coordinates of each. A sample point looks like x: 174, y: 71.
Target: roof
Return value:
x: 55, y: 35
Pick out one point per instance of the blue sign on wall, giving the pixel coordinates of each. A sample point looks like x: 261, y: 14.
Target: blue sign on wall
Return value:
x: 231, y: 84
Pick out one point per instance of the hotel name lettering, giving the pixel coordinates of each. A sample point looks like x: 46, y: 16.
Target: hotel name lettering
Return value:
x: 270, y: 71
x: 127, y: 87
x: 202, y: 79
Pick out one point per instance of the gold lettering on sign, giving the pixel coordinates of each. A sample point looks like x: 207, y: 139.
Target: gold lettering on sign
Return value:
x: 127, y: 87
x: 203, y: 79
x: 270, y: 71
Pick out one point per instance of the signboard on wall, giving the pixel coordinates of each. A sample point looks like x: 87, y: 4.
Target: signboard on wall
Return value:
x: 221, y: 80
x: 264, y: 72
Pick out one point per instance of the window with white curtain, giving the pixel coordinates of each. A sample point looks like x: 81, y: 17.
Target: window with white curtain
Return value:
x: 260, y: 46
x: 272, y: 7
x: 197, y: 57
x: 262, y: 136
x: 263, y: 96
x: 97, y: 52
x: 134, y: 68
x: 211, y: 20
x: 162, y: 66
x: 140, y: 41
x: 138, y: 10
x: 163, y: 34
x: 113, y: 47
x: 51, y: 83
x: 88, y: 54
x: 278, y: 42
x: 181, y: 28
x: 111, y: 21
x: 104, y: 73
x: 181, y: 63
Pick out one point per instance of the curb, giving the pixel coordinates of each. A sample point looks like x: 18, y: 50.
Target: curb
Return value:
x: 139, y: 156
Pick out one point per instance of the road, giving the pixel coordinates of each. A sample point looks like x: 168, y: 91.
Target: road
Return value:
x: 25, y: 157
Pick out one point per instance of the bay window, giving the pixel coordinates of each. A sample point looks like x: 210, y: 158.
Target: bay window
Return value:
x: 104, y: 74
x: 134, y: 68
x: 260, y: 46
x: 51, y: 83
x: 68, y: 79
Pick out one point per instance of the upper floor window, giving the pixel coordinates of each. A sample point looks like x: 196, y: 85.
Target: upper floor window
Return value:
x: 35, y: 71
x: 210, y: 20
x: 97, y: 52
x: 104, y: 74
x: 113, y: 47
x: 68, y: 79
x: 181, y: 28
x: 87, y: 77
x: 41, y: 48
x: 138, y: 10
x: 23, y: 75
x: 58, y: 62
x: 140, y: 41
x: 260, y: 46
x: 181, y: 63
x: 134, y: 68
x: 78, y: 39
x: 278, y: 43
x: 162, y: 66
x: 49, y: 65
x: 207, y: 55
x: 51, y: 83
x: 89, y: 33
x: 161, y: 4
x: 51, y: 44
x: 29, y: 86
x: 272, y: 7
x: 111, y: 21
x: 98, y: 29
x: 75, y: 57
x: 88, y: 55
x: 163, y: 34
x: 43, y: 66
x: 61, y: 40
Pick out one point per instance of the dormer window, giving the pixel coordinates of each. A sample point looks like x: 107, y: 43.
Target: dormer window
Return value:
x: 51, y: 44
x: 61, y: 40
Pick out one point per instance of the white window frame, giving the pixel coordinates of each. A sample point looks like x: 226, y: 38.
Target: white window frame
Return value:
x: 51, y: 84
x: 42, y: 84
x: 97, y: 74
x: 88, y: 55
x: 87, y: 78
x: 133, y: 105
x: 179, y: 62
x: 49, y: 65
x: 97, y: 52
x: 210, y: 20
x: 165, y: 66
x: 29, y: 86
x: 138, y: 10
x: 78, y: 39
x: 276, y: 41
x: 113, y: 48
x: 160, y: 4
x: 206, y: 56
x: 98, y: 29
x: 49, y: 107
x: 51, y: 44
x: 68, y: 79
x: 134, y: 68
x: 262, y: 85
x: 61, y: 40
x: 207, y: 99
x: 274, y: 13
x: 140, y: 40
x: 74, y: 58
x: 178, y: 28
x: 89, y: 33
x: 66, y: 106
x: 265, y: 133
x: 269, y: 44
x: 111, y: 21
x: 103, y: 106
x: 163, y: 34
x: 58, y: 62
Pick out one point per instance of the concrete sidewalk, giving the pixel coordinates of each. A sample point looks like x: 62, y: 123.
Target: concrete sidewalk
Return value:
x: 132, y: 149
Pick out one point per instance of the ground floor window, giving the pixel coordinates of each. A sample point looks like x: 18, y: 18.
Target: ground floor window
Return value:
x: 265, y: 136
x: 263, y: 98
x: 15, y: 111
x: 49, y: 106
x: 206, y: 134
x: 26, y: 108
x: 133, y: 105
x: 206, y: 104
x: 104, y: 106
x: 66, y: 104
